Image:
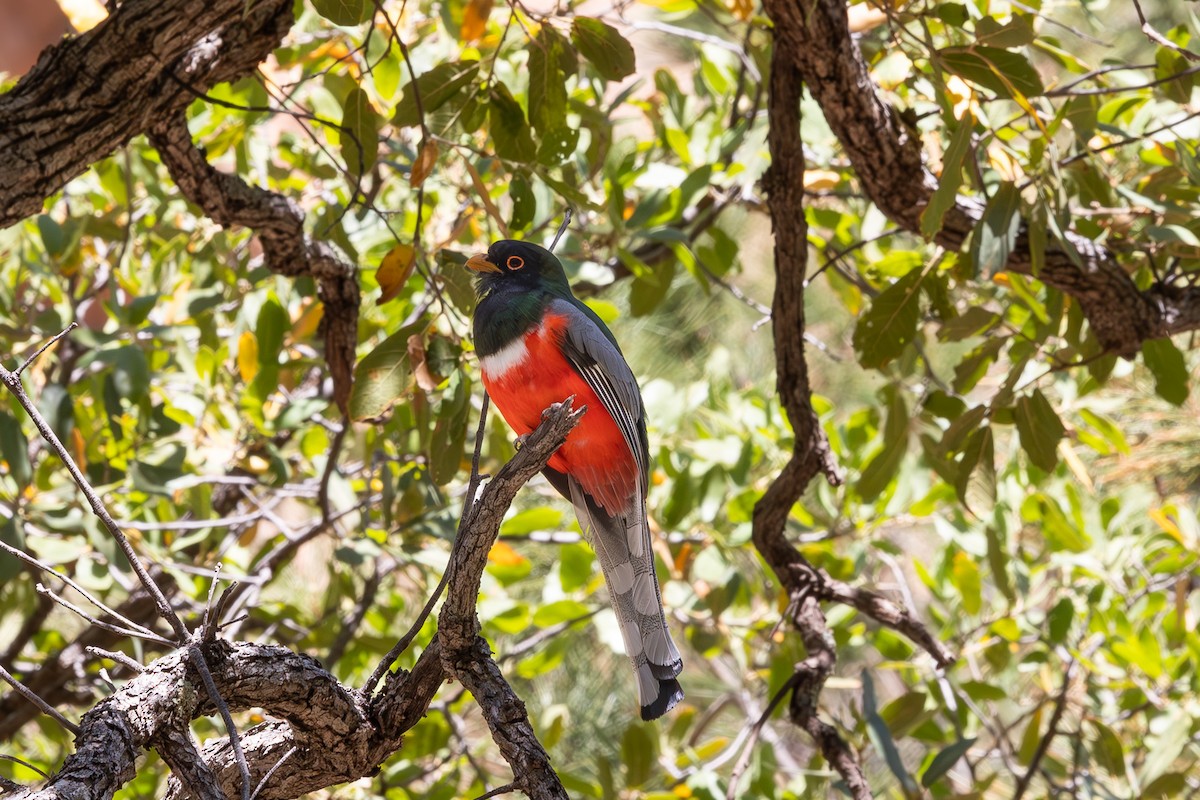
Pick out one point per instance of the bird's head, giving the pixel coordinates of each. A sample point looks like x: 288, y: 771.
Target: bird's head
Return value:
x: 519, y: 264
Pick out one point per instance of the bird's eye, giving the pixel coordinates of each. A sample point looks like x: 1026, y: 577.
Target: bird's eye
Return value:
x: 515, y: 262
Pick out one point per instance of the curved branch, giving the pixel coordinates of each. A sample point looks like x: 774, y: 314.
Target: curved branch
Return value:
x: 886, y: 155
x: 279, y: 223
x: 92, y: 93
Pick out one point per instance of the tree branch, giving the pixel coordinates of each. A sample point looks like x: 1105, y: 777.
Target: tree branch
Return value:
x: 886, y: 154
x: 287, y: 250
x: 466, y: 655
x: 90, y: 94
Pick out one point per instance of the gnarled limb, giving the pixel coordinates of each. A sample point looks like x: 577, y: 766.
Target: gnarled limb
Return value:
x: 886, y: 153
x: 811, y: 456
x: 279, y: 223
x: 92, y: 93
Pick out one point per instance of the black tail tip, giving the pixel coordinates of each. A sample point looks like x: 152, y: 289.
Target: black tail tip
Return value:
x: 669, y: 695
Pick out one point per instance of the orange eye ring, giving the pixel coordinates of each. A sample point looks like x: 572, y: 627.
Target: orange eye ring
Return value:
x: 515, y: 262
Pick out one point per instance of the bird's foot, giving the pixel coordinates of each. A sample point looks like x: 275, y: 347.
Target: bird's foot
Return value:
x: 520, y: 441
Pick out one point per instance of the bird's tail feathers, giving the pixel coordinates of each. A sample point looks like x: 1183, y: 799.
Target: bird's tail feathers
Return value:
x: 622, y: 544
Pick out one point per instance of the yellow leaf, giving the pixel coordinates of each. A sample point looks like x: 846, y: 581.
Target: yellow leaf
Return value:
x: 1167, y: 524
x: 423, y: 165
x: 78, y: 448
x: 394, y: 271
x: 247, y: 356
x: 742, y: 9
x: 475, y: 19
x: 309, y: 319
x: 1075, y: 464
x: 503, y: 555
x: 83, y: 14
x: 816, y: 180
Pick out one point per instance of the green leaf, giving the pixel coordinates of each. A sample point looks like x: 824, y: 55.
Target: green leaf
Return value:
x: 881, y: 737
x: 449, y: 438
x: 944, y: 760
x: 974, y: 364
x: 998, y: 559
x: 14, y: 448
x: 996, y: 234
x: 1164, y: 746
x: 560, y: 611
x: 904, y: 713
x: 436, y: 87
x: 524, y: 205
x: 345, y: 12
x: 272, y: 322
x: 965, y: 576
x: 1107, y: 749
x: 575, y: 566
x: 534, y: 519
x: 1004, y: 72
x: 360, y: 132
x: 976, y: 482
x: 12, y: 533
x: 639, y: 752
x: 946, y: 194
x: 558, y: 143
x: 1170, y: 372
x: 879, y: 472
x: 510, y: 133
x: 1059, y: 619
x: 607, y: 50
x: 548, y: 80
x: 890, y: 324
x: 975, y: 321
x: 1040, y: 430
x: 382, y: 376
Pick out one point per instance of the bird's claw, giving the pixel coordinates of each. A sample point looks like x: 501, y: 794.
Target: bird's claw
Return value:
x: 520, y: 442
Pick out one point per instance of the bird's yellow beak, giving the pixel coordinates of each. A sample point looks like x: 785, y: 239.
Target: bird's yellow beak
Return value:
x: 480, y: 263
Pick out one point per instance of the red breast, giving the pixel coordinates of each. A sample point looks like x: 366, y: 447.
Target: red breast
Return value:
x: 528, y: 375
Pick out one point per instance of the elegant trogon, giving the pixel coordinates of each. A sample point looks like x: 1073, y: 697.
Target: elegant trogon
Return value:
x: 539, y: 345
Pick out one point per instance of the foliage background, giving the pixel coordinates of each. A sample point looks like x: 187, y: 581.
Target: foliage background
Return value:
x: 1032, y: 496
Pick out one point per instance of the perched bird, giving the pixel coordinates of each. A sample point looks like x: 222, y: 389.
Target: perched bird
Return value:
x: 539, y: 345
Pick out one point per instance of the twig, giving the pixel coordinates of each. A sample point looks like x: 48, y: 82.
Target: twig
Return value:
x: 34, y: 562
x: 562, y: 228
x: 23, y: 763
x: 1060, y: 705
x: 13, y: 382
x: 499, y: 790
x: 67, y: 604
x: 113, y: 655
x: 53, y: 340
x: 1158, y: 38
x: 468, y: 505
x: 735, y: 776
x: 263, y: 783
x: 1119, y: 89
x: 235, y: 742
x: 32, y: 697
x: 335, y: 449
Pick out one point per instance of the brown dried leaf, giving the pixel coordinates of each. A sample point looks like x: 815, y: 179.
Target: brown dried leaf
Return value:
x: 423, y: 165
x: 395, y: 270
